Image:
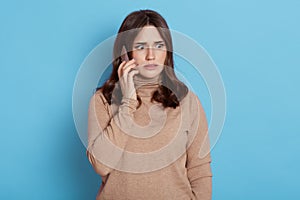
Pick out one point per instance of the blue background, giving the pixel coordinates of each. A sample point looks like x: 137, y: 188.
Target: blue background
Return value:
x: 255, y: 45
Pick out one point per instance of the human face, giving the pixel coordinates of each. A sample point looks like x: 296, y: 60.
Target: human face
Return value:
x: 149, y: 52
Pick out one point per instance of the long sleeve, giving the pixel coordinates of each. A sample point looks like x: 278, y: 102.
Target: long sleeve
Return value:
x: 105, y: 136
x: 198, y: 165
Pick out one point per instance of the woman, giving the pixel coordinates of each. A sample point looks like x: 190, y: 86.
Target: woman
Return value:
x: 145, y: 127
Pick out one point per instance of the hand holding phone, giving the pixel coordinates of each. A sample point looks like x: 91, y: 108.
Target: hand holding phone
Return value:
x: 126, y: 71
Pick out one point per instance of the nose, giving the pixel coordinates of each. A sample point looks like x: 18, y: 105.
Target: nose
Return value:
x: 150, y: 54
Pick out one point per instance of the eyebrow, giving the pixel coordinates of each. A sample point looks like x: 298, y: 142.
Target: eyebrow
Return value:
x: 143, y: 43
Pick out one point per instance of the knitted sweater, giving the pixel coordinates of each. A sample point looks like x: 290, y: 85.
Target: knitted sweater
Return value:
x: 149, y: 152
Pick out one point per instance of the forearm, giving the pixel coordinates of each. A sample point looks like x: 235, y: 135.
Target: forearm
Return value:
x: 198, y: 155
x: 106, y: 145
x: 201, y: 184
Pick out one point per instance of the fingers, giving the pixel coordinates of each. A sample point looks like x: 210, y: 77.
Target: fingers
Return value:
x: 120, y: 69
x: 132, y: 73
x: 125, y: 67
x: 126, y: 71
x: 128, y: 68
x: 130, y: 64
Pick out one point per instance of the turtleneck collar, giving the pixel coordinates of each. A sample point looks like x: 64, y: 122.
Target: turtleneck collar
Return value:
x: 145, y: 86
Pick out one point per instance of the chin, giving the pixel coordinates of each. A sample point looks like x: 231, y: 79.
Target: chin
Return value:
x: 148, y: 75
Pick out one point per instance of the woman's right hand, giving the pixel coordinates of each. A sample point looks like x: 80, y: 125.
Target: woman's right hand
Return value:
x: 126, y: 72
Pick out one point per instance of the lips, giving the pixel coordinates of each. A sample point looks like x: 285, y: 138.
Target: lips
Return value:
x: 150, y: 66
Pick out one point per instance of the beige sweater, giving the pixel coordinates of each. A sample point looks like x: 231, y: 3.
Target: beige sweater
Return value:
x: 149, y: 152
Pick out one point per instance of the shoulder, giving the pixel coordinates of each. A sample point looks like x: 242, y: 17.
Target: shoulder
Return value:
x: 192, y: 104
x: 190, y: 99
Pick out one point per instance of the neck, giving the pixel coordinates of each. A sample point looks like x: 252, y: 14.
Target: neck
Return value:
x: 140, y: 81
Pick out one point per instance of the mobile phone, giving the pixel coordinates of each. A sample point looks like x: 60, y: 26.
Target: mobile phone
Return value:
x: 124, y: 54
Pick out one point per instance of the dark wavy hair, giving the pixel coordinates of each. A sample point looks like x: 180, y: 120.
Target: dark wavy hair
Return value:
x: 172, y: 90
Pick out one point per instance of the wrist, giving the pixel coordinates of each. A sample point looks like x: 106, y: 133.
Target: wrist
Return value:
x: 129, y: 104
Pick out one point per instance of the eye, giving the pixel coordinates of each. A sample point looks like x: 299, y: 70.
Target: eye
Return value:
x: 159, y: 46
x: 139, y: 47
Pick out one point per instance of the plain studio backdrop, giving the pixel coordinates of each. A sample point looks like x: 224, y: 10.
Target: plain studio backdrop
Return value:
x: 255, y: 45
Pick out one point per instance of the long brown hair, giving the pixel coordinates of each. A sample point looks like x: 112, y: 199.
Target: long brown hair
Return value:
x: 172, y: 90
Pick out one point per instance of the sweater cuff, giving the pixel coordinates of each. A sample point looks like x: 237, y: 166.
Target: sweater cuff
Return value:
x: 129, y: 105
